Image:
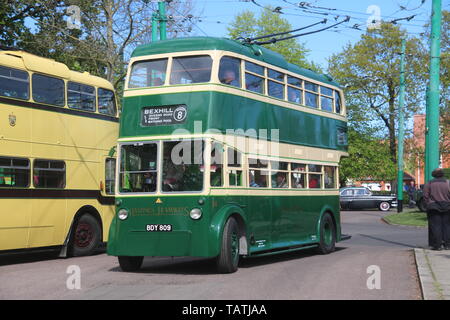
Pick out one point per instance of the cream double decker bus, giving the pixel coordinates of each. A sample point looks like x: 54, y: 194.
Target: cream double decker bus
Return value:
x: 58, y: 129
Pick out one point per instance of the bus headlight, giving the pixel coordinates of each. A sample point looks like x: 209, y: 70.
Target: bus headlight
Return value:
x: 122, y: 214
x: 196, y: 213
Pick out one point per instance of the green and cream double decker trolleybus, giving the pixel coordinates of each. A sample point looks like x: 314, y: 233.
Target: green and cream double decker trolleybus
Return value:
x: 226, y: 150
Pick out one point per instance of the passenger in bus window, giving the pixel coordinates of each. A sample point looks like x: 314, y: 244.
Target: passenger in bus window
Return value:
x: 253, y: 183
x: 293, y: 96
x: 281, y: 180
x: 229, y: 78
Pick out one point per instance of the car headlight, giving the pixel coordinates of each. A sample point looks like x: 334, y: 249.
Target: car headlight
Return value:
x: 195, y: 213
x: 122, y: 214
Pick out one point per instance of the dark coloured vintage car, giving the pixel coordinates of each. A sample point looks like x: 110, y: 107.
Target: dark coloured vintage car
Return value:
x: 362, y: 198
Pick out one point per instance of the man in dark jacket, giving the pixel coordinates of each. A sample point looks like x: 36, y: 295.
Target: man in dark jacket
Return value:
x: 436, y: 194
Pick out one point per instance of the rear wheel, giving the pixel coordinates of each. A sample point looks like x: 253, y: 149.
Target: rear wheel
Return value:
x: 130, y: 264
x: 86, y: 236
x: 384, y: 206
x: 228, y: 259
x: 421, y: 205
x: 327, y: 242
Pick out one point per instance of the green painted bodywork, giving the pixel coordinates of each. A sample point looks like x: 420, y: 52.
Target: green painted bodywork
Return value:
x: 270, y: 222
x: 220, y: 111
x: 210, y: 43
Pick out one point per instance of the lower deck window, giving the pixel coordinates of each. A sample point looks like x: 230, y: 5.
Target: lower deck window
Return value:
x: 49, y: 174
x: 14, y: 172
x: 183, y: 166
x: 138, y: 167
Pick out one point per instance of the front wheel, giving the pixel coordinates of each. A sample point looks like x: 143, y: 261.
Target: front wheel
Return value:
x: 130, y: 264
x: 384, y: 206
x: 327, y: 242
x: 228, y: 259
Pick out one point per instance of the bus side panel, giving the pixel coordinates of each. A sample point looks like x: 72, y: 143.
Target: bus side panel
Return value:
x: 14, y: 223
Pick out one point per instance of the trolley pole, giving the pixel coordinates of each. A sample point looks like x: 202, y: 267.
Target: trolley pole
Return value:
x: 401, y: 129
x: 432, y: 114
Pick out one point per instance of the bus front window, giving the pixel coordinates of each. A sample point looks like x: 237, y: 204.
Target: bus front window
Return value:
x: 183, y: 166
x: 195, y: 69
x: 138, y: 170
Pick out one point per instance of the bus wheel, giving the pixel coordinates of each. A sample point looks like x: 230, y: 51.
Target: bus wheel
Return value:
x: 327, y: 242
x: 86, y: 236
x: 130, y: 264
x: 228, y: 259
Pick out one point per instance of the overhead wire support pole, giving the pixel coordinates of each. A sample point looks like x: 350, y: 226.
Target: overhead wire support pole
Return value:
x: 432, y: 113
x: 401, y: 129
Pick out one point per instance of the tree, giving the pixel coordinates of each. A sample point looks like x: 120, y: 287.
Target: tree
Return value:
x: 247, y: 25
x: 368, y: 158
x: 107, y: 32
x: 369, y: 72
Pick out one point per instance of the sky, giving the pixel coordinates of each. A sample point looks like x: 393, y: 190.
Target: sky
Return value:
x: 215, y: 16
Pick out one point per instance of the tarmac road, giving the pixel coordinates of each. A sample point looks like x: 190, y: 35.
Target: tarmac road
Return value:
x: 343, y: 274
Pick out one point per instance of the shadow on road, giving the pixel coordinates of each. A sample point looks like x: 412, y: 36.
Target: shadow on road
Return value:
x: 201, y: 266
x: 34, y: 256
x: 388, y: 241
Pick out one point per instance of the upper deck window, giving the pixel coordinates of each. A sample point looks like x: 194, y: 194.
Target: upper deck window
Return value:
x: 150, y: 73
x: 195, y: 69
x: 48, y: 90
x: 80, y: 96
x: 337, y: 97
x: 14, y: 83
x: 255, y: 68
x: 106, y: 102
x: 230, y: 71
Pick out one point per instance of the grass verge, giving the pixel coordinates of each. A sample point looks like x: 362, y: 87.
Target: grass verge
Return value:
x: 415, y: 218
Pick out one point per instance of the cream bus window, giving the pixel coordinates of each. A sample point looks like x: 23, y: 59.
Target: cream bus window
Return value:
x: 49, y: 174
x: 106, y: 102
x: 298, y: 175
x: 80, y: 96
x: 230, y: 71
x: 235, y: 172
x: 14, y: 83
x: 183, y: 166
x: 14, y: 172
x: 329, y: 177
x: 338, y: 103
x: 150, y: 73
x: 195, y: 69
x: 110, y: 176
x: 258, y: 173
x: 48, y: 90
x: 216, y: 170
x: 138, y: 167
x: 314, y: 176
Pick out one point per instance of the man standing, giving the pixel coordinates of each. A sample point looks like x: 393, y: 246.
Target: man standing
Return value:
x: 436, y: 194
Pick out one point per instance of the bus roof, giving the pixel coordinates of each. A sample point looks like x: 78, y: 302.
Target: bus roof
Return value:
x: 27, y: 61
x: 210, y: 43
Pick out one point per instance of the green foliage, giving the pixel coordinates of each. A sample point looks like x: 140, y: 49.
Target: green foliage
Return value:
x: 368, y: 158
x: 247, y: 25
x: 369, y: 71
